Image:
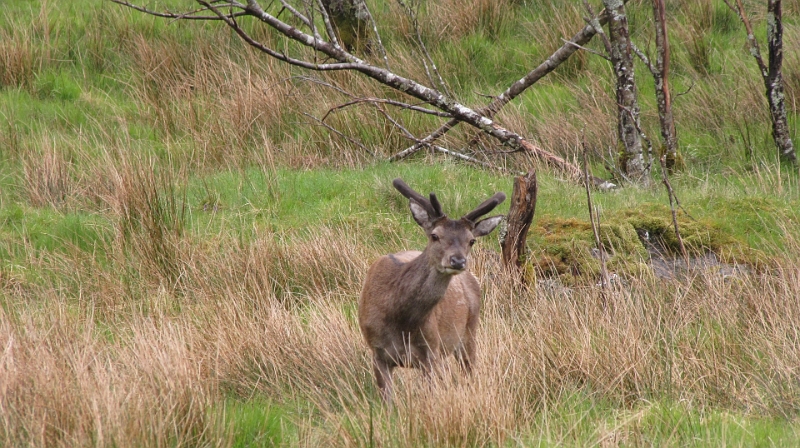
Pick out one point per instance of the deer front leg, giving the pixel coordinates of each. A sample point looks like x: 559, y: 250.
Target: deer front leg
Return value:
x: 466, y: 356
x: 466, y: 352
x: 383, y: 377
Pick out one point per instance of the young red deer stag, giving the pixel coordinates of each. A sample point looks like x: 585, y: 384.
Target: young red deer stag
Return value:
x: 417, y: 308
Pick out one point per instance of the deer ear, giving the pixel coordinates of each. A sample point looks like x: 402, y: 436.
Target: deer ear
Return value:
x: 485, y: 226
x: 420, y: 214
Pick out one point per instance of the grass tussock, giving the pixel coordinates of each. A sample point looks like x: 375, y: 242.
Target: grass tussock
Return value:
x: 17, y: 57
x: 454, y: 19
x: 48, y: 176
x: 65, y: 385
x: 148, y: 212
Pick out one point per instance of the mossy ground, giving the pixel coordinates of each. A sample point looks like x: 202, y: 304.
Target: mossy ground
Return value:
x: 566, y: 247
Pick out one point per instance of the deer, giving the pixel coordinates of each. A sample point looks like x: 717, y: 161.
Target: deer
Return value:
x: 418, y: 308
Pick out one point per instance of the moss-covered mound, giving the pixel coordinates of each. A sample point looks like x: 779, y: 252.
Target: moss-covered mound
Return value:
x: 566, y: 247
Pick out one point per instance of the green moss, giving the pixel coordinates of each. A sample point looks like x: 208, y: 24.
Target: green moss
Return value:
x: 699, y: 235
x: 566, y: 247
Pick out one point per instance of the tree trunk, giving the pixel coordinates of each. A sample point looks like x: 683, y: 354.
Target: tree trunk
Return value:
x: 661, y: 78
x: 773, y: 79
x: 350, y: 19
x: 520, y: 217
x: 632, y: 162
x: 774, y: 83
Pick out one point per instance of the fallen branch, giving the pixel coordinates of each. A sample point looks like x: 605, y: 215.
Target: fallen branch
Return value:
x: 551, y: 63
x: 341, y: 59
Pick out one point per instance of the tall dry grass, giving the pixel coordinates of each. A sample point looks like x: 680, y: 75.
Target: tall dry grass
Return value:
x: 48, y: 175
x: 104, y: 364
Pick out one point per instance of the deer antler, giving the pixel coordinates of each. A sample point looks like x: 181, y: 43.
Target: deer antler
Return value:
x: 432, y: 206
x: 485, y: 207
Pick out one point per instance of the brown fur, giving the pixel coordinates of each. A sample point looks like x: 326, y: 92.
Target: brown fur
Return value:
x: 417, y: 308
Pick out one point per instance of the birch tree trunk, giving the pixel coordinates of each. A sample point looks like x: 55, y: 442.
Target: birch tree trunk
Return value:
x: 773, y: 79
x: 774, y: 83
x: 632, y: 162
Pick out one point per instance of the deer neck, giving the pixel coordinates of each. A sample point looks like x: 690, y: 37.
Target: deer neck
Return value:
x: 423, y: 287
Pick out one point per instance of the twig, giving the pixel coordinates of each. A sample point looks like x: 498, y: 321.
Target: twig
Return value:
x: 643, y: 57
x: 377, y: 36
x: 389, y: 102
x: 326, y: 18
x: 588, y: 50
x: 686, y: 91
x: 190, y: 15
x: 298, y: 14
x: 424, y: 142
x: 339, y: 133
x: 594, y: 218
x: 469, y: 159
x: 673, y: 199
x: 446, y: 151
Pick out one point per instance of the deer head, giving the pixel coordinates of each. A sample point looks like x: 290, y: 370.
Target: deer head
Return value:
x: 449, y: 241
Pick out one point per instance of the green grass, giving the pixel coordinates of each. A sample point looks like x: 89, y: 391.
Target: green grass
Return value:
x: 578, y: 420
x: 273, y: 205
x: 258, y: 422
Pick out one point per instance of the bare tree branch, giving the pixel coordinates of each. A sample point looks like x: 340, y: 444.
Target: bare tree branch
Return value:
x: 377, y: 37
x: 588, y: 50
x: 551, y: 63
x: 347, y: 61
x: 326, y: 19
x: 189, y: 15
x: 389, y: 102
x: 751, y: 37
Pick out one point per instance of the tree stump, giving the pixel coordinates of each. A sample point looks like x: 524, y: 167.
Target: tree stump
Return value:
x: 520, y: 217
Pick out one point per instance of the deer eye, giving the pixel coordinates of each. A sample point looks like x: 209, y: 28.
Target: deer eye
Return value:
x: 434, y: 237
x: 471, y: 242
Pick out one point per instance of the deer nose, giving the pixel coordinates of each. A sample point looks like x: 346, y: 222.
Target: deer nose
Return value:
x: 458, y: 262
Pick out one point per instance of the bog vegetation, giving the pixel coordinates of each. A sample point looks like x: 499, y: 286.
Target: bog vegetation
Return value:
x: 183, y: 241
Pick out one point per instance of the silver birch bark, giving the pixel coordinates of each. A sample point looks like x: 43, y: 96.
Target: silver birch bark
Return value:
x: 772, y: 76
x: 631, y: 157
x: 774, y: 83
